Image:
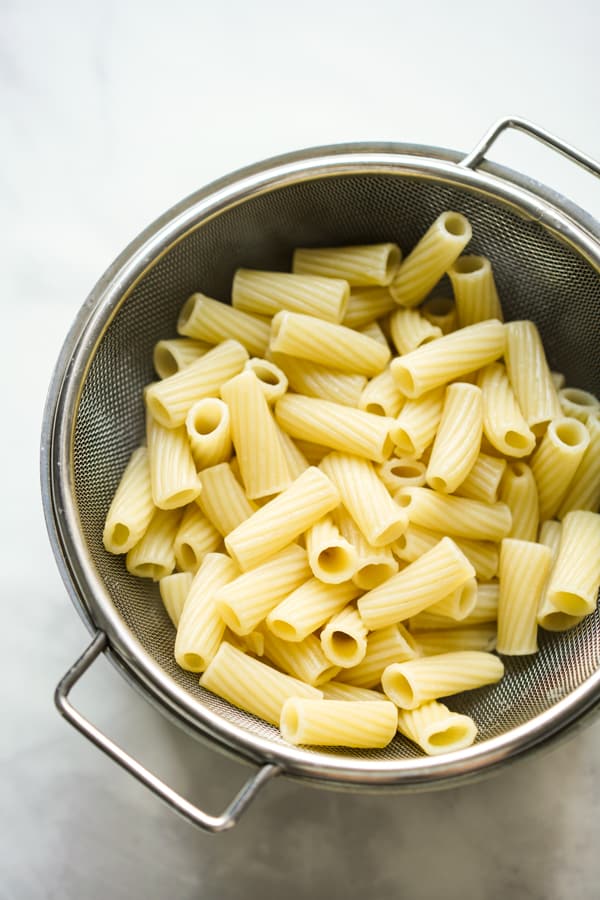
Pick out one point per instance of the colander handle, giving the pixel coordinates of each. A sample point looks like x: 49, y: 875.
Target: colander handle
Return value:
x: 472, y: 159
x: 182, y: 806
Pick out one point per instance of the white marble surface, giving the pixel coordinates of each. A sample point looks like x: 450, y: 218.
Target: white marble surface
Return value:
x: 110, y: 113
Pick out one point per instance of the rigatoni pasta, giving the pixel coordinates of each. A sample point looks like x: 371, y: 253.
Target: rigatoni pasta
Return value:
x: 359, y: 265
x: 212, y: 321
x: 132, y: 506
x: 267, y: 293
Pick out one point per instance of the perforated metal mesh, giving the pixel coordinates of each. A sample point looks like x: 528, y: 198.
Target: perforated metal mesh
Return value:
x: 538, y: 277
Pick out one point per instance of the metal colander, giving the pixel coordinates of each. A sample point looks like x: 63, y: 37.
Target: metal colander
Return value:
x: 546, y: 259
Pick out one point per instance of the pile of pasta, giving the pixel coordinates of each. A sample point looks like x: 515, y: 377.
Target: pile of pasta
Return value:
x: 354, y: 489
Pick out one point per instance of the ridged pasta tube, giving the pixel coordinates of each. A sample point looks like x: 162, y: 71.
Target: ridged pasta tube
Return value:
x: 484, y: 612
x: 344, y: 638
x: 483, y: 555
x: 530, y: 375
x: 360, y: 265
x: 575, y: 578
x: 331, y: 557
x: 296, y: 461
x: 311, y: 496
x: 584, y: 488
x: 308, y: 607
x: 458, y: 604
x: 302, y: 659
x: 421, y: 270
x: 458, y: 439
x: 555, y: 462
x: 174, y: 590
x: 456, y: 516
x: 381, y: 396
x: 384, y: 646
x: 503, y: 422
x: 451, y: 640
x: 320, y: 382
x: 374, y: 564
x: 267, y: 293
x: 519, y: 491
x: 421, y: 584
x: 154, y: 556
x: 251, y: 684
x: 201, y: 628
x: 210, y: 320
x: 409, y: 329
x: 474, y: 289
x: 412, y: 683
x: 132, y: 506
x: 273, y: 380
x: 170, y: 356
x: 483, y: 481
x: 337, y: 690
x: 173, y: 473
x: 366, y: 305
x: 548, y: 617
x: 262, y: 461
x: 196, y: 536
x: 332, y: 345
x: 367, y: 500
x: 400, y: 472
x: 435, y: 729
x: 335, y: 426
x: 449, y: 357
x: 209, y: 431
x: 417, y: 423
x: 376, y: 332
x: 441, y: 311
x: 222, y: 499
x: 343, y: 723
x: 578, y: 404
x: 169, y: 400
x: 524, y: 569
x: 251, y: 596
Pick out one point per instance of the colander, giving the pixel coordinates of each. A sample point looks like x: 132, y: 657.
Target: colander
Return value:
x: 546, y: 258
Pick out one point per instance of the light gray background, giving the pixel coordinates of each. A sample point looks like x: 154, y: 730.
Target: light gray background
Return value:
x: 110, y: 113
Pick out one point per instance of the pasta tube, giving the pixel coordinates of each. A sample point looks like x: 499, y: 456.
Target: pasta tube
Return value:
x: 201, y: 628
x: 458, y: 604
x: 484, y: 612
x: 451, y: 640
x: 222, y: 499
x: 302, y: 659
x: 575, y: 578
x: 483, y: 481
x: 267, y: 293
x: 335, y: 426
x: 424, y: 582
x: 421, y: 270
x: 435, y: 729
x: 344, y: 638
x: 171, y: 356
x: 474, y: 289
x: 273, y: 381
x: 458, y: 439
x: 530, y: 375
x: 296, y: 461
x: 400, y: 472
x: 337, y: 690
x: 483, y: 555
x: 417, y: 423
x: 249, y: 598
x: 449, y: 357
x: 384, y: 646
x: 456, y: 516
x: 360, y: 265
x: 578, y: 404
x: 503, y: 423
x: 365, y: 497
x: 196, y: 536
x: 548, y: 617
x: 154, y: 556
x: 331, y: 557
x: 209, y: 431
x: 308, y: 607
x: 311, y: 496
x: 381, y: 396
x: 555, y: 462
x: 169, y: 400
x: 524, y: 568
x: 210, y: 320
x: 374, y: 565
x: 132, y: 506
x: 251, y: 684
x: 320, y: 382
x: 409, y: 329
x: 262, y: 461
x: 584, y: 488
x: 344, y: 723
x: 376, y: 332
x: 174, y: 590
x: 327, y: 344
x: 518, y: 490
x: 440, y: 311
x: 366, y: 305
x: 410, y: 684
x: 173, y: 474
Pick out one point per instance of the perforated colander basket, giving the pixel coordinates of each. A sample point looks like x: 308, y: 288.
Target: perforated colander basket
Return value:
x: 546, y: 259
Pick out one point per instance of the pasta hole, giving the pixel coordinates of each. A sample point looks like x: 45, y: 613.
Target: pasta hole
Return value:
x: 401, y: 542
x: 403, y: 500
x: 333, y: 560
x: 229, y: 616
x: 454, y: 734
x: 186, y: 312
x: 398, y: 687
x: 404, y: 380
x: 570, y: 603
x: 579, y: 397
x: 375, y: 408
x: 571, y: 432
x: 283, y: 630
x: 392, y: 263
x: 151, y: 570
x: 455, y: 224
x: 438, y: 484
x: 207, y: 419
x: 344, y: 644
x: 439, y: 306
x: 187, y: 556
x: 158, y: 410
x: 372, y: 575
x: 265, y: 374
x: 559, y: 621
x: 465, y: 265
x: 402, y: 470
x: 164, y: 362
x: 326, y: 675
x: 516, y: 440
x: 290, y: 721
x: 518, y: 469
x: 193, y: 662
x: 181, y: 498
x: 120, y: 534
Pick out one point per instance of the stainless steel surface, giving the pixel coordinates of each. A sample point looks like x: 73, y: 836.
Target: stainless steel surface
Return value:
x: 546, y: 256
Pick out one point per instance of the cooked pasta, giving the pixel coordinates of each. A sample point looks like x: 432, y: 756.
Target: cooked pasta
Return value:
x: 366, y: 305
x: 332, y: 558
x: 210, y: 320
x: 320, y: 382
x: 273, y: 380
x: 549, y: 617
x: 575, y: 578
x: 409, y: 329
x: 196, y: 536
x: 583, y: 491
x: 173, y: 473
x: 519, y: 491
x: 410, y: 684
x: 308, y: 608
x: 459, y: 603
x: 530, y: 376
x: 381, y: 396
x: 451, y: 640
x: 483, y: 480
x: 154, y: 554
x: 222, y: 499
x: 458, y: 439
x: 384, y: 646
x: 344, y: 638
x: 360, y: 265
x: 132, y: 506
x: 578, y: 404
x: 170, y: 356
x: 209, y: 432
x: 267, y: 293
x: 503, y: 423
x: 524, y: 568
x: 174, y: 590
x: 456, y: 516
x: 555, y: 462
x: 302, y: 659
x: 483, y: 555
x: 344, y: 723
x: 374, y: 565
x: 474, y: 289
x: 337, y: 690
x: 401, y: 471
x: 440, y: 310
x: 484, y: 612
x: 436, y: 729
x: 417, y: 423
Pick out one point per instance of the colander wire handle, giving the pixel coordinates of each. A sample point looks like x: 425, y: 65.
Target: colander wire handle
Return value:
x: 178, y: 803
x: 472, y: 159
